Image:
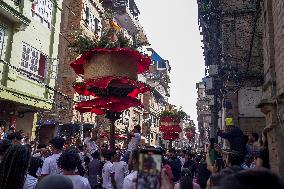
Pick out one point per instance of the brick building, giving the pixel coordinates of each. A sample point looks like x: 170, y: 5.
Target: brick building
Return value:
x: 232, y: 37
x: 247, y: 47
x: 273, y: 88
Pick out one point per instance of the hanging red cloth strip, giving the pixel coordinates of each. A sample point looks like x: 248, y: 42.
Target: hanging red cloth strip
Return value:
x: 143, y: 62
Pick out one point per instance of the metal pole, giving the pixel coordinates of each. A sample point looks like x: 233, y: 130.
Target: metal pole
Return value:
x: 82, y: 128
x: 112, y: 116
x: 112, y: 134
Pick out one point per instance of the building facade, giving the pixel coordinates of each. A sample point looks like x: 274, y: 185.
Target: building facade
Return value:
x: 273, y: 87
x: 246, y: 49
x: 29, y: 38
x: 233, y: 55
x: 203, y: 115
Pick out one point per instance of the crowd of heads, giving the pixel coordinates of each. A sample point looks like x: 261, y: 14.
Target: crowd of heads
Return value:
x: 214, y: 169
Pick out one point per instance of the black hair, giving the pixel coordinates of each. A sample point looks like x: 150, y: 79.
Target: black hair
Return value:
x: 164, y: 160
x: 186, y: 179
x: 109, y: 154
x: 57, y: 142
x: 232, y: 169
x: 212, y: 142
x: 138, y: 127
x: 4, y: 145
x: 16, y: 135
x: 40, y: 146
x: 246, y: 138
x: 189, y: 154
x: 69, y: 160
x: 172, y: 150
x: 215, y: 179
x: 14, y: 167
x: 255, y: 136
x: 35, y: 164
x: 87, y: 160
x: 81, y: 147
x: 96, y: 155
x: 253, y: 179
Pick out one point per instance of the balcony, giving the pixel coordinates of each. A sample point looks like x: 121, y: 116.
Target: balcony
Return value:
x: 11, y: 12
x: 127, y: 15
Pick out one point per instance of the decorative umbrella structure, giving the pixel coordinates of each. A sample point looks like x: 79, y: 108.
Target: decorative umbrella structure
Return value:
x: 170, y: 123
x: 109, y: 69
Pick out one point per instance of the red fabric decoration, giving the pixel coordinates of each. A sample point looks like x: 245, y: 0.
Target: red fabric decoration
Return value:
x: 112, y: 103
x: 138, y: 87
x: 190, y: 134
x: 169, y: 119
x: 142, y: 61
x: 171, y: 129
x: 170, y: 136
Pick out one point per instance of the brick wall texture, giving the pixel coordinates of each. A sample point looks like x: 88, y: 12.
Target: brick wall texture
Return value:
x: 273, y: 51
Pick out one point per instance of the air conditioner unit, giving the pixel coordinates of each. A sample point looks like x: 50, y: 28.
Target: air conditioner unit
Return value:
x: 213, y: 70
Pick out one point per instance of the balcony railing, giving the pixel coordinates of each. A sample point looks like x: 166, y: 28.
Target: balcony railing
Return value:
x: 130, y: 4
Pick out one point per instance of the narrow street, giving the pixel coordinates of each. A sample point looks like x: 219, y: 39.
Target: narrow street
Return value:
x: 140, y: 94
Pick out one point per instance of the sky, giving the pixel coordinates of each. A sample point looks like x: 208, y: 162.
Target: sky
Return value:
x: 173, y: 32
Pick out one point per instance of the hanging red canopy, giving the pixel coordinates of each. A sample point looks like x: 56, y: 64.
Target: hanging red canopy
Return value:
x: 112, y: 103
x: 170, y: 136
x: 172, y: 129
x: 134, y: 87
x: 143, y: 62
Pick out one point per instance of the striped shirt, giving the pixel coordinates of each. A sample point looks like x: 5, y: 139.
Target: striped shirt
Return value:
x: 30, y: 182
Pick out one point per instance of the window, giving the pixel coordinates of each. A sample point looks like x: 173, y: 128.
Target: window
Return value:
x: 93, y: 23
x: 2, y: 34
x: 33, y: 61
x: 42, y: 11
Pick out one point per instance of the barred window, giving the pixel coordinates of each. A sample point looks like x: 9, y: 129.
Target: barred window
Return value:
x: 42, y: 11
x: 33, y: 61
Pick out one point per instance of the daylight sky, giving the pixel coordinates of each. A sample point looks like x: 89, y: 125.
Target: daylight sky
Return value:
x: 172, y: 29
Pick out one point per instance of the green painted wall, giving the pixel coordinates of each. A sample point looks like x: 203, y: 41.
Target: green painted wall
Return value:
x: 38, y: 36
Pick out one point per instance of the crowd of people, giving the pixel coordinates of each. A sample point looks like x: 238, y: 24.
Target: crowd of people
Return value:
x: 88, y: 165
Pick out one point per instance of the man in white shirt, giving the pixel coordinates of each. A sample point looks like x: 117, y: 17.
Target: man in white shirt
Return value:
x: 121, y: 171
x: 90, y: 142
x: 135, y: 138
x: 32, y: 177
x: 50, y: 166
x: 69, y: 162
x: 129, y: 180
x: 108, y: 172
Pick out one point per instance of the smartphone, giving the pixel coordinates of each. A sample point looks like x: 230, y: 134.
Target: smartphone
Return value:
x: 149, y: 170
